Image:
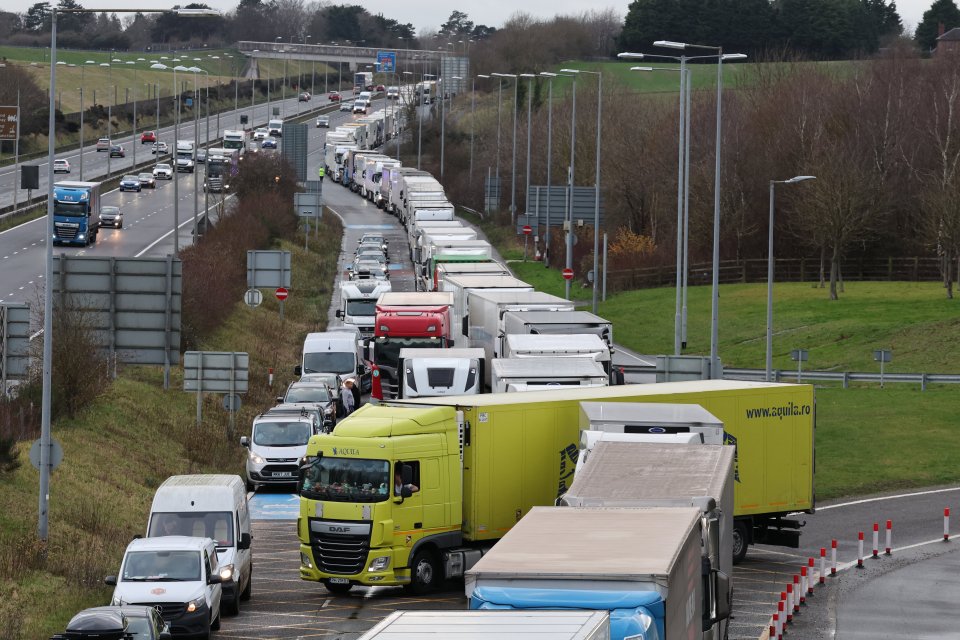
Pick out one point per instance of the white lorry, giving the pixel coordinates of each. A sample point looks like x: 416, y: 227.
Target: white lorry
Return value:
x: 526, y: 345
x: 440, y: 372
x: 485, y: 311
x: 647, y: 474
x: 482, y: 625
x: 394, y: 203
x: 373, y: 175
x: 552, y: 322
x: 334, y: 150
x: 539, y: 374
x: 462, y: 286
x: 443, y: 270
x: 235, y: 139
x: 644, y: 566
x: 426, y: 224
x: 358, y: 303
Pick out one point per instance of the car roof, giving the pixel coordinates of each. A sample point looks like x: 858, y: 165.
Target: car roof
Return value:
x: 102, y: 619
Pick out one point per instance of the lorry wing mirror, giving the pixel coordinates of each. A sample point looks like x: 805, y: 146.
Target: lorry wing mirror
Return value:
x: 279, y: 399
x: 722, y: 596
x: 244, y: 541
x: 339, y: 313
x: 405, y: 492
x: 297, y: 370
x: 406, y: 475
x: 110, y: 580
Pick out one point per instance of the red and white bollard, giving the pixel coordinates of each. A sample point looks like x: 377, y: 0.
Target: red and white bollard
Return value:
x: 823, y: 565
x: 779, y: 619
x: 833, y: 558
x: 810, y: 577
x: 876, y: 540
x: 889, y: 536
x: 860, y: 550
x: 789, y: 603
x: 946, y: 524
x: 803, y: 585
x: 270, y: 376
x: 796, y: 594
x: 773, y: 627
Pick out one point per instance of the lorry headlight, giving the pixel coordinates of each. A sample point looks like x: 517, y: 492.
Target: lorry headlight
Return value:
x: 255, y: 458
x: 226, y: 572
x: 379, y: 564
x: 80, y: 237
x: 305, y: 560
x: 195, y: 604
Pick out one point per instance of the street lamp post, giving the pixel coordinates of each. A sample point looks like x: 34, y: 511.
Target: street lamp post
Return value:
x: 46, y: 442
x: 423, y: 76
x: 529, y: 77
x: 473, y: 117
x: 82, y: 67
x: 770, y: 268
x: 550, y: 77
x: 513, y: 164
x: 715, y: 285
x: 573, y: 156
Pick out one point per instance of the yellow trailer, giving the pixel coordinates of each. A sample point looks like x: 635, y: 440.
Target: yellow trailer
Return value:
x: 479, y: 463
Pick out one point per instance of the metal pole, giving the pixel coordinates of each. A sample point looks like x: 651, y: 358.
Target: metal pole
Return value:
x: 420, y: 119
x: 573, y: 156
x: 133, y: 142
x: 596, y: 203
x: 686, y: 210
x: 443, y: 100
x: 16, y: 155
x: 499, y: 104
x: 196, y: 130
x: 473, y: 115
x: 176, y: 172
x: 715, y: 294
x: 45, y: 436
x: 605, y: 269
x: 526, y: 193
x: 769, y: 371
x: 546, y: 257
x: 513, y: 165
x: 678, y: 314
x: 81, y: 124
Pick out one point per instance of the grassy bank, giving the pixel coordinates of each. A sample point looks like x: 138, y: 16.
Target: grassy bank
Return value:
x: 132, y: 438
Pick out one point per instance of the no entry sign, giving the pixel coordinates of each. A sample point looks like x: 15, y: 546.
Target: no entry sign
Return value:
x: 281, y: 294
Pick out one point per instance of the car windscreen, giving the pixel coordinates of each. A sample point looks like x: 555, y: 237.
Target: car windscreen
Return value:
x: 139, y: 627
x: 307, y: 394
x: 281, y: 434
x: 217, y: 525
x: 162, y: 566
x: 329, y: 362
x: 346, y: 480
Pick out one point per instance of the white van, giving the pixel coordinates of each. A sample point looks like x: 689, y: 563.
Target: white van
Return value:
x: 210, y: 506
x: 276, y: 444
x: 335, y: 351
x: 178, y: 575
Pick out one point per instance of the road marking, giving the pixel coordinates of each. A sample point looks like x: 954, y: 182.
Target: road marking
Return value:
x: 895, y: 497
x: 189, y: 220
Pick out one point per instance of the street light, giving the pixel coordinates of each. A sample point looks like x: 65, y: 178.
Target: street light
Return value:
x: 770, y: 265
x: 82, y: 84
x: 420, y: 113
x: 526, y: 196
x: 715, y: 286
x: 596, y: 186
x: 46, y: 443
x: 133, y: 141
x: 176, y: 138
x: 513, y: 165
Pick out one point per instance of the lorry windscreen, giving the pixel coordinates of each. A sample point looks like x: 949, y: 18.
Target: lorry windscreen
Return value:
x: 387, y: 349
x: 362, y: 307
x: 346, y: 480
x: 70, y: 208
x: 329, y: 362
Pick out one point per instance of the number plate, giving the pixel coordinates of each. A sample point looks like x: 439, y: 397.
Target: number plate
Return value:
x: 282, y: 474
x: 338, y: 580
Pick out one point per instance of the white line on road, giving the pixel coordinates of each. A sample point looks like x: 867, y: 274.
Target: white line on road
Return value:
x: 881, y: 498
x: 189, y: 220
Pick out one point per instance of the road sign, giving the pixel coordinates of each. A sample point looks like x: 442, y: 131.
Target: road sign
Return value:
x: 387, y: 61
x: 527, y: 229
x: 8, y: 123
x: 253, y: 298
x: 281, y: 294
x: 568, y: 274
x: 231, y: 402
x: 56, y: 454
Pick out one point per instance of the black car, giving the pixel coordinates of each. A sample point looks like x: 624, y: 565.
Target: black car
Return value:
x: 116, y: 623
x: 117, y: 151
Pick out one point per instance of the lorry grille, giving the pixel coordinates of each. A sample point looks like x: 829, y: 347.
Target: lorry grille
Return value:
x: 67, y: 232
x: 169, y: 611
x: 340, y: 554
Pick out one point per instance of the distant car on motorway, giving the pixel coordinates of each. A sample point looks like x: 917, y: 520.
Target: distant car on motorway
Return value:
x: 130, y: 183
x: 346, y: 106
x: 111, y: 217
x: 160, y: 148
x: 147, y: 180
x: 103, y: 144
x: 380, y: 87
x: 261, y: 133
x: 304, y: 96
x: 323, y: 121
x: 333, y: 96
x: 184, y: 164
x: 117, y: 151
x: 148, y: 136
x: 201, y: 154
x: 163, y: 171
x: 361, y: 106
x: 61, y: 166
x: 269, y: 143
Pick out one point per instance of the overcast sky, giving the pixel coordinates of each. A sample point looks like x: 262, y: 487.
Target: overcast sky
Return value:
x: 430, y: 14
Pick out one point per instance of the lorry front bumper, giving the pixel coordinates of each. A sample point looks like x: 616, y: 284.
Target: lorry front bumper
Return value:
x: 390, y: 576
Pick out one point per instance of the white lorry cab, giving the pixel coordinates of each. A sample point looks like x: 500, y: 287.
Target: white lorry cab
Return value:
x: 180, y: 575
x: 542, y: 374
x: 210, y: 506
x: 440, y: 372
x: 557, y: 345
x: 358, y: 303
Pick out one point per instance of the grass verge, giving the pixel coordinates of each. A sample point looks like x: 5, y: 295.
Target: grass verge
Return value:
x: 127, y: 442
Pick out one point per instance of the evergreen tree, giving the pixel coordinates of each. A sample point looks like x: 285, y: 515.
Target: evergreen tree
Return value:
x: 940, y: 12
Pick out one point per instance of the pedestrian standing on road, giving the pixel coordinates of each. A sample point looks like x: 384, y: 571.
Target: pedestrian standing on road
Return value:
x: 356, y: 393
x: 321, y: 172
x: 347, y: 398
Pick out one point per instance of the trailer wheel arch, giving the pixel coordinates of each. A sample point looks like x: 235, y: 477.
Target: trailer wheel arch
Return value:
x: 742, y: 538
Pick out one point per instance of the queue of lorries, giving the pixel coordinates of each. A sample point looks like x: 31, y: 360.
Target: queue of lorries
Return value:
x: 502, y: 448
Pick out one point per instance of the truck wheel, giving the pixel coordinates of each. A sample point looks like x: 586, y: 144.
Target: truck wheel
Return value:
x: 248, y: 590
x: 424, y: 573
x: 337, y: 589
x: 232, y: 606
x: 740, y: 537
x: 215, y: 625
